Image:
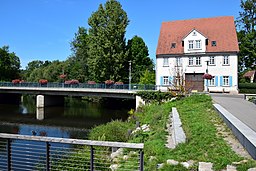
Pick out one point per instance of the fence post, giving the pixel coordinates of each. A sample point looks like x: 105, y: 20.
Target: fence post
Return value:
x: 48, y: 156
x: 8, y: 154
x: 141, y: 160
x: 92, y: 159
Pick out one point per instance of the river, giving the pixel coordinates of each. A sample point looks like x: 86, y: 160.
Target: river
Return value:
x: 73, y: 120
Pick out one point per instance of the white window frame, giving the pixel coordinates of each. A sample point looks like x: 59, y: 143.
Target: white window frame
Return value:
x: 166, y: 62
x: 226, y: 60
x: 178, y: 61
x: 211, y: 82
x: 198, y: 61
x: 191, y: 44
x: 198, y: 44
x: 165, y: 80
x: 212, y: 60
x: 190, y: 61
x: 225, y: 80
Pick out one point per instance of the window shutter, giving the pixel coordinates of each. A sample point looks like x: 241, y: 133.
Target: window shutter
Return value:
x: 182, y: 43
x: 161, y: 80
x: 170, y: 79
x: 230, y: 81
x: 205, y: 82
x: 221, y: 80
x: 216, y: 81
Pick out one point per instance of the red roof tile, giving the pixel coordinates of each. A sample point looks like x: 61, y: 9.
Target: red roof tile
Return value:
x: 249, y: 74
x: 219, y: 29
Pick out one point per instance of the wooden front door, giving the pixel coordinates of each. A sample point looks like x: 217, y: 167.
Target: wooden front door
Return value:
x: 194, y: 82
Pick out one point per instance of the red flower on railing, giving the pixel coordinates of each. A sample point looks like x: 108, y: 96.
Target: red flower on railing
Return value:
x: 207, y: 76
x: 16, y: 81
x: 63, y: 76
x: 43, y: 81
x: 109, y: 82
x: 72, y: 82
x: 91, y: 82
x: 119, y: 83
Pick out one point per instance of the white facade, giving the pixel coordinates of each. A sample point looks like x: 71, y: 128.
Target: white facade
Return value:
x: 223, y: 66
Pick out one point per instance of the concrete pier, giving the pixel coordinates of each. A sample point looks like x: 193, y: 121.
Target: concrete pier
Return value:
x: 48, y: 100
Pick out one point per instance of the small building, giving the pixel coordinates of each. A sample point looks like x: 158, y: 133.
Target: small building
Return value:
x: 250, y: 75
x: 188, y: 49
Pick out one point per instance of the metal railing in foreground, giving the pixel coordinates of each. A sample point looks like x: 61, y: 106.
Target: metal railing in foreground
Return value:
x: 23, y: 152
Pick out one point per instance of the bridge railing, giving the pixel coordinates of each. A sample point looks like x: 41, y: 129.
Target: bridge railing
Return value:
x: 22, y: 152
x: 81, y: 85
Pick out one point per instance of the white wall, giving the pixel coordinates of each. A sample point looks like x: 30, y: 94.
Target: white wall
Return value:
x: 196, y: 36
x: 215, y: 70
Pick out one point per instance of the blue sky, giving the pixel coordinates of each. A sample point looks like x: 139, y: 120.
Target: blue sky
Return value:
x: 43, y: 29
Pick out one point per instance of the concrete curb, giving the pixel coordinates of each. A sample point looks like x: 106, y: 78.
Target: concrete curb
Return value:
x: 178, y: 134
x: 245, y: 135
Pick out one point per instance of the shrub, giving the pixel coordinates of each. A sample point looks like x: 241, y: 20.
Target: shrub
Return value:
x: 155, y: 96
x: 249, y: 88
x: 112, y: 131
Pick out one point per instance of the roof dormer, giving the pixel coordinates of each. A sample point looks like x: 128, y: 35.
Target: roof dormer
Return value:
x: 194, y: 42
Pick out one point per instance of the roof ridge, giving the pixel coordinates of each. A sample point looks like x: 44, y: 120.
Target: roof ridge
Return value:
x: 192, y: 19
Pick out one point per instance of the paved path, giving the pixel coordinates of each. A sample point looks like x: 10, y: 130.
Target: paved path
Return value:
x: 243, y: 110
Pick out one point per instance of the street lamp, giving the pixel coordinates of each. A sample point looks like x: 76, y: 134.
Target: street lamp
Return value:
x: 130, y: 74
x: 207, y: 63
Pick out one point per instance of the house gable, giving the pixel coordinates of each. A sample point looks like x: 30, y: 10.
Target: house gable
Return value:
x: 194, y: 42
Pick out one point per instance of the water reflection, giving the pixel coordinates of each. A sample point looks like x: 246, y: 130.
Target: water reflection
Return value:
x: 77, y: 114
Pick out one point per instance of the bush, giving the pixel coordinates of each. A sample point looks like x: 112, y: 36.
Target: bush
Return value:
x: 155, y: 96
x: 249, y: 88
x: 112, y: 131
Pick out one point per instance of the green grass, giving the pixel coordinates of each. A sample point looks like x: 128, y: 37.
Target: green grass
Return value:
x: 202, y: 143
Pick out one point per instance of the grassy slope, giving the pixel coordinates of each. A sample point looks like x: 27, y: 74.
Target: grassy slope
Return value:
x: 203, y: 144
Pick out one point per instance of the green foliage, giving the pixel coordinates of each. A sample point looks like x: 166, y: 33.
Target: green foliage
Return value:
x: 148, y: 77
x: 138, y: 55
x: 249, y: 88
x: 9, y: 65
x: 154, y: 96
x: 203, y: 144
x: 247, y: 34
x: 108, y: 59
x: 112, y: 131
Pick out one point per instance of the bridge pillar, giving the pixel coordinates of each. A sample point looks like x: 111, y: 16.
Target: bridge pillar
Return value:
x: 139, y: 102
x: 8, y: 98
x: 47, y: 100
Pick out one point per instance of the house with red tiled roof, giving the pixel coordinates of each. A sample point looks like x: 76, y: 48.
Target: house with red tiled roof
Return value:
x: 189, y: 51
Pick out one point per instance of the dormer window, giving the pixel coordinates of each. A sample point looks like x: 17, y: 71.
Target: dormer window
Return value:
x: 198, y: 44
x: 194, y: 44
x: 214, y: 43
x: 191, y: 44
x: 173, y: 45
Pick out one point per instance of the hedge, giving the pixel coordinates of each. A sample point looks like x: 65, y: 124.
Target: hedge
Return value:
x: 249, y: 88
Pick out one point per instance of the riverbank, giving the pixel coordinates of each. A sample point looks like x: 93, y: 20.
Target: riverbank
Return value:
x: 207, y: 137
x: 205, y: 142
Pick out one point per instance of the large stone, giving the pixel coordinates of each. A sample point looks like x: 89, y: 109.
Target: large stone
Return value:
x: 114, y: 167
x: 116, y: 154
x: 172, y: 162
x: 231, y: 168
x: 205, y: 166
x: 252, y: 169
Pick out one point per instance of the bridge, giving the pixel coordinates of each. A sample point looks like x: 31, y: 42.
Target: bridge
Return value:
x: 53, y: 93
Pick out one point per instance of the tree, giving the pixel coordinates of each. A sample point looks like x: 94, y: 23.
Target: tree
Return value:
x: 148, y: 77
x: 138, y: 55
x: 108, y: 59
x: 9, y: 64
x: 78, y: 62
x: 247, y: 35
